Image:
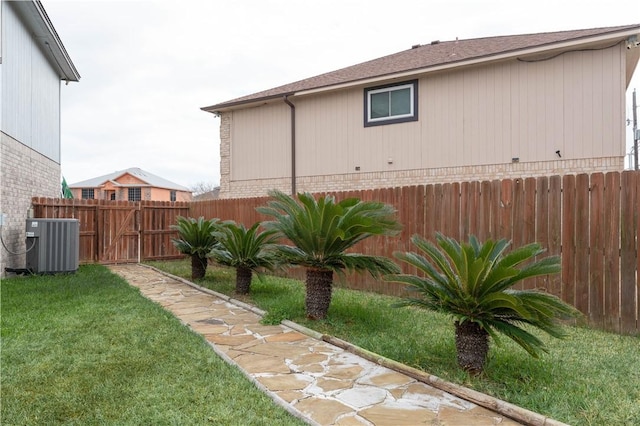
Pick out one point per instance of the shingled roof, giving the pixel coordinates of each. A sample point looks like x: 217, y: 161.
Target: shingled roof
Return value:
x: 423, y: 58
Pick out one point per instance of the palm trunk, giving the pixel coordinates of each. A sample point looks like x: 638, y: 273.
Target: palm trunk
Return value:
x: 318, y: 297
x: 472, y: 345
x: 198, y: 266
x: 243, y: 280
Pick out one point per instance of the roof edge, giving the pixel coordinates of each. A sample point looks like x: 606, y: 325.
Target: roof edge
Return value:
x: 509, y: 54
x: 44, y: 33
x: 472, y: 61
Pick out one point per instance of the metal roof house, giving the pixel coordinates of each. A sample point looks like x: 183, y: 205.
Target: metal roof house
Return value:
x: 485, y: 108
x: 33, y: 63
x: 133, y: 184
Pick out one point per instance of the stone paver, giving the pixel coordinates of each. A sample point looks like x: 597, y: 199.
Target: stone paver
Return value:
x: 325, y: 384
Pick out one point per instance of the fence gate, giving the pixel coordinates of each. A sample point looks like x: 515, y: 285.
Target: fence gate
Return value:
x: 119, y: 233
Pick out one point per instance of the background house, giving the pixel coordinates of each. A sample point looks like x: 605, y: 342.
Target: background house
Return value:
x: 487, y: 108
x: 33, y: 62
x: 132, y: 184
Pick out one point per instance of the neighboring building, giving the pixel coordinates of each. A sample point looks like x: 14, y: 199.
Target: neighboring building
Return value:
x: 33, y: 61
x: 132, y: 184
x: 214, y: 194
x: 487, y: 108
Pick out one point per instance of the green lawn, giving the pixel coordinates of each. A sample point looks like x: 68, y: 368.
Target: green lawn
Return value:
x: 88, y: 349
x: 590, y: 378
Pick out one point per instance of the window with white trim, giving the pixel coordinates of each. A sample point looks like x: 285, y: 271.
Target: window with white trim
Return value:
x: 396, y: 103
x: 172, y: 195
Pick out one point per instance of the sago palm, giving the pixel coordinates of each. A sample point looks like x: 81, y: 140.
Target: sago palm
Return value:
x: 246, y: 250
x: 471, y: 282
x: 321, y: 232
x: 195, y: 238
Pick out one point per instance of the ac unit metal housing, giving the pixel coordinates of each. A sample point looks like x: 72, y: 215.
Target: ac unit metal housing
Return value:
x: 53, y: 245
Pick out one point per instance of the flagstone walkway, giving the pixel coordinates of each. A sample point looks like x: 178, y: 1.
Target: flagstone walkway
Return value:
x: 318, y: 382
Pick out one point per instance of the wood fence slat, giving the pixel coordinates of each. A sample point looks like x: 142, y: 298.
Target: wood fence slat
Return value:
x: 568, y: 239
x: 582, y: 243
x: 628, y: 259
x: 473, y: 211
x: 505, y: 229
x: 596, y: 254
x: 612, y: 252
x: 555, y: 230
x: 430, y: 212
x: 485, y: 208
x: 542, y: 225
x: 517, y: 213
x: 637, y: 235
x: 530, y: 200
x: 529, y: 222
x: 465, y: 209
x: 453, y: 227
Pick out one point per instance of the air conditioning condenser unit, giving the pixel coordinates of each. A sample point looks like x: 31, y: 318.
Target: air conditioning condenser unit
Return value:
x: 53, y: 245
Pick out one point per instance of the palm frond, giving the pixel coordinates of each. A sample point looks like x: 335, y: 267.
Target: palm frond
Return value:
x: 195, y: 236
x: 242, y: 247
x: 324, y: 229
x: 472, y: 282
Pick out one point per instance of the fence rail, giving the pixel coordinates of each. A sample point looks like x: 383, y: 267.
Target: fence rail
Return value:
x: 591, y: 221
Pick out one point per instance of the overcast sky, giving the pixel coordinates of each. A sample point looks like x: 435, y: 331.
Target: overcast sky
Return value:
x: 147, y: 67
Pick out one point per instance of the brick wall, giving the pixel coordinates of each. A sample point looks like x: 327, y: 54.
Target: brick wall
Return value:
x: 370, y: 180
x: 225, y: 152
x: 24, y: 174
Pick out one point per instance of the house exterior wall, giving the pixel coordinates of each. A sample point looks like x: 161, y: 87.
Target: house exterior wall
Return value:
x: 30, y: 89
x: 266, y: 151
x: 148, y: 193
x: 472, y: 124
x: 25, y: 173
x: 29, y: 133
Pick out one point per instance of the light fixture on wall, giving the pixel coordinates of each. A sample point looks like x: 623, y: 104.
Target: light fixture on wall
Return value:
x: 558, y: 154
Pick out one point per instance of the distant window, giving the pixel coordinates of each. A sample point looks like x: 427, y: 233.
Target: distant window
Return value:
x: 397, y: 103
x: 172, y: 195
x: 135, y: 194
x: 113, y: 196
x: 87, y: 193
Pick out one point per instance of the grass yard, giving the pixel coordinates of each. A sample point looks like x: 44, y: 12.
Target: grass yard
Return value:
x: 88, y: 349
x: 590, y: 378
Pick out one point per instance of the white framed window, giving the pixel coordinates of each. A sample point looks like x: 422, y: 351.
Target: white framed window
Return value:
x: 87, y: 193
x: 172, y: 195
x: 396, y: 103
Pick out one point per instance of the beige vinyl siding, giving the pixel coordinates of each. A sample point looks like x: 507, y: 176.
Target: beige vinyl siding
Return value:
x: 261, y: 147
x: 476, y: 116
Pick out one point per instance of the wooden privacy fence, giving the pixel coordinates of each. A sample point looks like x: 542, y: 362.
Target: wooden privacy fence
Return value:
x: 591, y: 221
x: 118, y: 231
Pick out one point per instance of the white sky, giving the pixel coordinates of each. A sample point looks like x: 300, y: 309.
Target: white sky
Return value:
x: 147, y: 67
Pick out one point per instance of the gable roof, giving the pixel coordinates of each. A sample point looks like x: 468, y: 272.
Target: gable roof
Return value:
x: 440, y: 55
x: 149, y: 178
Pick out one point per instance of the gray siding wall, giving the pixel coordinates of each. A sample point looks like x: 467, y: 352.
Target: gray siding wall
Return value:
x: 30, y: 90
